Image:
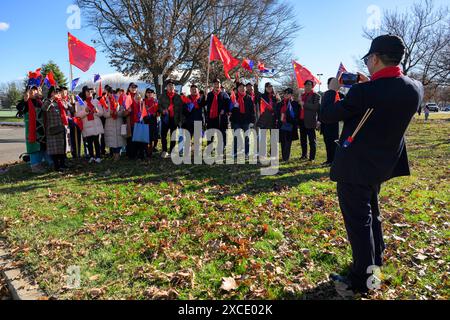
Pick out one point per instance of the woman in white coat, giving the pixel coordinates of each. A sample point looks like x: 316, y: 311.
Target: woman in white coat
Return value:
x: 90, y: 112
x: 113, y: 113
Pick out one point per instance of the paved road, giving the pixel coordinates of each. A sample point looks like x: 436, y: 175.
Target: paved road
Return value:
x: 12, y: 143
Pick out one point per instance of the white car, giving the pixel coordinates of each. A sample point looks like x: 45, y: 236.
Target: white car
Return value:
x: 433, y: 107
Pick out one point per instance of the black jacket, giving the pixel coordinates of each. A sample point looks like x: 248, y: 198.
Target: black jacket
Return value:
x: 194, y: 115
x: 224, y: 105
x: 248, y: 117
x: 267, y: 119
x: 378, y: 152
x: 329, y: 129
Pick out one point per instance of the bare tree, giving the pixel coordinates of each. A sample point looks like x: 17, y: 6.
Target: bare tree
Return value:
x: 158, y: 37
x: 425, y: 30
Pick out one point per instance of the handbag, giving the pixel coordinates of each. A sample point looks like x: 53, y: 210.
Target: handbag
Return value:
x: 141, y: 133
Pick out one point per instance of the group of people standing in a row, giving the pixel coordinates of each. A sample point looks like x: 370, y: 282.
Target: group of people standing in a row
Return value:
x: 95, y: 123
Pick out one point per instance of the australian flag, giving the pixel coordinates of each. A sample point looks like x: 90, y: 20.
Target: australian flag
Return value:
x: 341, y: 70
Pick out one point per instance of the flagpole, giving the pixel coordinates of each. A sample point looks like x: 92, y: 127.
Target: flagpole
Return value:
x: 209, y: 65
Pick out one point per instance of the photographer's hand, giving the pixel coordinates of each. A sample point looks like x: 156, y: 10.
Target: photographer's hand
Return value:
x: 363, y: 78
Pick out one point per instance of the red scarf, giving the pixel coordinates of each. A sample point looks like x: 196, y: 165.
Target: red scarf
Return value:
x: 271, y: 100
x: 284, y: 109
x: 305, y: 97
x: 134, y: 110
x: 214, y: 113
x: 194, y: 100
x: 113, y: 106
x: 32, y: 135
x: 91, y: 109
x: 151, y: 106
x: 62, y: 113
x: 171, y: 106
x: 241, y: 102
x: 388, y: 72
x: 338, y: 97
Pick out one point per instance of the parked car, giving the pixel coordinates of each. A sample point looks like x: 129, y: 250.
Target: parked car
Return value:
x: 433, y: 107
x: 446, y: 109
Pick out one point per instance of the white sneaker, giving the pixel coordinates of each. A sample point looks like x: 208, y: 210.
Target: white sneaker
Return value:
x: 91, y: 160
x: 98, y: 160
x: 164, y: 155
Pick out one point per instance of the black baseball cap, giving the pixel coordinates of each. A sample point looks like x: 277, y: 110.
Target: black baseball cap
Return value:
x: 194, y: 86
x: 387, y: 44
x: 170, y: 81
x: 289, y: 91
x: 133, y: 85
x: 216, y: 81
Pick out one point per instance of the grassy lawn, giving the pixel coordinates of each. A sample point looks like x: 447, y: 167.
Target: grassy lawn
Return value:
x: 9, y: 116
x: 165, y: 231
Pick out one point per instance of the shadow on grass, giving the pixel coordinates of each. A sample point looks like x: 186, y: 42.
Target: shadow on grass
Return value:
x: 242, y: 178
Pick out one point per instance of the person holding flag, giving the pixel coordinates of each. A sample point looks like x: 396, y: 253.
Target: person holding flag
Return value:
x: 170, y: 108
x: 35, y: 136
x: 193, y: 110
x: 55, y: 127
x: 150, y: 116
x: 242, y: 117
x: 217, y: 111
x: 89, y: 110
x: 371, y: 151
x: 267, y: 103
x: 113, y: 114
x: 132, y: 101
x: 288, y: 123
x: 309, y: 112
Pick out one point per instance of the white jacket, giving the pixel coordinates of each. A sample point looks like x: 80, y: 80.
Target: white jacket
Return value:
x: 113, y: 137
x: 90, y: 128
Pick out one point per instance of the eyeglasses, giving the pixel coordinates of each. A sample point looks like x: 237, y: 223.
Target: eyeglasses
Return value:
x: 366, y: 59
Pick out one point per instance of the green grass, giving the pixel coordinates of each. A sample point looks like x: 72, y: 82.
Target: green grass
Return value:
x: 9, y: 116
x: 164, y: 231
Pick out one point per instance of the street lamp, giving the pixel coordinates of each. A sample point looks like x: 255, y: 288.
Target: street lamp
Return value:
x: 320, y: 75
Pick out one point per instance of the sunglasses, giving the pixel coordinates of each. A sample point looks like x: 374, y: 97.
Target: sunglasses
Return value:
x: 366, y: 59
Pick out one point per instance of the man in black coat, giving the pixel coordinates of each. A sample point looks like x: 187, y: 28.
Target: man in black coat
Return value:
x: 217, y: 111
x: 330, y: 131
x: 374, y: 154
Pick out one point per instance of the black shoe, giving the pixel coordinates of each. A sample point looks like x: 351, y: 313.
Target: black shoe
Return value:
x: 343, y: 286
x: 304, y: 158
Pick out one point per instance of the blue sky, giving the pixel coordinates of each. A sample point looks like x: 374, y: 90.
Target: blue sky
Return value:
x: 332, y: 32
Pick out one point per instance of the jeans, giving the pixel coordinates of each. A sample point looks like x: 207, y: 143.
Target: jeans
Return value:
x: 37, y: 158
x: 245, y: 127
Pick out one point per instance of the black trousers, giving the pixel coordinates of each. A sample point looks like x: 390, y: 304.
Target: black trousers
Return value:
x: 359, y: 206
x: 59, y: 161
x: 75, y: 140
x: 330, y: 144
x: 168, y: 128
x: 94, y: 143
x: 305, y: 136
x: 286, y: 144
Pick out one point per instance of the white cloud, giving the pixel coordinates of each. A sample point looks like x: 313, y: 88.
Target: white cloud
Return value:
x: 4, y: 26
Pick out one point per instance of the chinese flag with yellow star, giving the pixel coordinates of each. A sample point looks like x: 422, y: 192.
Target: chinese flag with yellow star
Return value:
x: 81, y: 55
x: 220, y: 53
x: 302, y: 74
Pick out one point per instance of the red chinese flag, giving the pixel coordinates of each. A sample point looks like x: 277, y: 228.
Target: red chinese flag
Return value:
x: 302, y: 74
x: 265, y: 106
x: 219, y: 53
x: 51, y: 78
x: 81, y: 55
